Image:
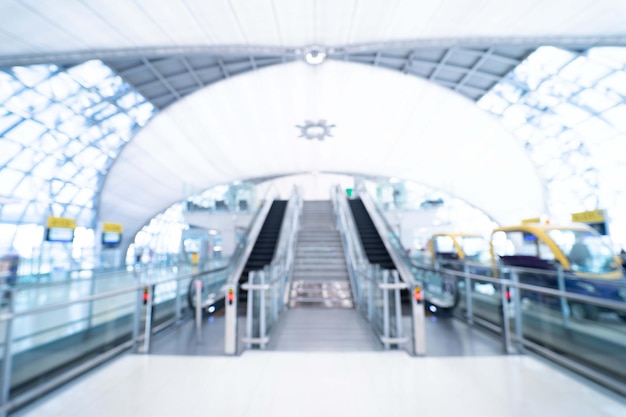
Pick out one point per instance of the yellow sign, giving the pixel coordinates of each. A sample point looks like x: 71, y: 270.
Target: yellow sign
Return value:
x: 533, y: 220
x: 112, y: 227
x: 61, y: 222
x: 594, y: 216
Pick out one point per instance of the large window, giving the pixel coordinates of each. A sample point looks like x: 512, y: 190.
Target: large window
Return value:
x: 568, y: 110
x: 60, y: 131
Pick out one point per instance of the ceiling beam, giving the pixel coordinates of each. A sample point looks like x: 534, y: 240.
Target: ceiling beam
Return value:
x: 154, y: 71
x: 530, y: 42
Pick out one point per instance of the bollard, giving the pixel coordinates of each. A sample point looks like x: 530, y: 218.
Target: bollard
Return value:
x: 148, y: 328
x: 419, y: 321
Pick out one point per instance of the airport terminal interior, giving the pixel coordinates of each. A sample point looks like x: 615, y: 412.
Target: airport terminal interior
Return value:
x: 312, y: 208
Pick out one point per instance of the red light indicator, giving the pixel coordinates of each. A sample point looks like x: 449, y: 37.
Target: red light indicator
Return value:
x: 417, y: 294
x: 508, y: 295
x: 231, y: 296
x: 146, y: 294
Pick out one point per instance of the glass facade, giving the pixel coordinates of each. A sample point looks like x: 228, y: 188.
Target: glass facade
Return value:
x: 60, y: 131
x: 568, y: 110
x: 62, y: 128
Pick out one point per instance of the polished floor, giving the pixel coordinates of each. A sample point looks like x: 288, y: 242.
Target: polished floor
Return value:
x: 358, y: 384
x: 465, y: 374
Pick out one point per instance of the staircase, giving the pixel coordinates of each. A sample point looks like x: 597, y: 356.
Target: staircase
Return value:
x: 320, y: 275
x: 321, y: 314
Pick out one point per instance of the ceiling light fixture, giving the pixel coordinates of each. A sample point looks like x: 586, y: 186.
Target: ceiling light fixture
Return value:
x: 314, y: 55
x: 315, y: 130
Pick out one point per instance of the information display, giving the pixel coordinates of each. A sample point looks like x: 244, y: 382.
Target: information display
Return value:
x: 60, y: 234
x: 111, y: 238
x: 594, y: 218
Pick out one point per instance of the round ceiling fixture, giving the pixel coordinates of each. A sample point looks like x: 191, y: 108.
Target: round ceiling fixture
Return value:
x: 314, y: 55
x: 315, y: 130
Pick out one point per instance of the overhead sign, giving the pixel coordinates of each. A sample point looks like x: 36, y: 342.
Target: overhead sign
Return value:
x: 594, y: 216
x: 61, y: 222
x: 112, y: 227
x: 533, y: 220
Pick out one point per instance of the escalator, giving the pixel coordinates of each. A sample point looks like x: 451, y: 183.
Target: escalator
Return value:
x: 372, y: 243
x: 264, y: 247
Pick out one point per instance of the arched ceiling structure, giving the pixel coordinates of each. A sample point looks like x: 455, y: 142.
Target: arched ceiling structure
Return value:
x: 176, y: 53
x: 385, y: 124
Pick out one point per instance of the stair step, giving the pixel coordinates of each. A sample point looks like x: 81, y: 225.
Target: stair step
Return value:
x: 320, y: 275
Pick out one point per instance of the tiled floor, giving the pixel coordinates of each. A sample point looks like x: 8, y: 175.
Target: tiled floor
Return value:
x: 358, y: 384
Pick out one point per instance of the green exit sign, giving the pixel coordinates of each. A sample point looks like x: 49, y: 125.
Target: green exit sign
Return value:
x: 349, y: 192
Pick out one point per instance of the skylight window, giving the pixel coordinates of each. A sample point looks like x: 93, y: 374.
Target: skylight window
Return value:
x: 567, y: 109
x: 60, y: 131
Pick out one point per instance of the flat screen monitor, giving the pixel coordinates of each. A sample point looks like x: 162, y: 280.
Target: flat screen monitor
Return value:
x: 111, y: 238
x: 60, y: 234
x: 600, y: 228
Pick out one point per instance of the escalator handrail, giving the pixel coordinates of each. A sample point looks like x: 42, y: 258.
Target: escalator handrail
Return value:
x: 288, y: 229
x: 245, y: 246
x: 400, y: 258
x: 355, y: 253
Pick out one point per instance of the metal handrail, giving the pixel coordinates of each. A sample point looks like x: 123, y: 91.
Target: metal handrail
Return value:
x: 403, y: 266
x: 274, y: 279
x: 400, y: 259
x: 244, y: 248
x: 289, y: 228
x: 10, y: 316
x: 347, y: 224
x: 43, y: 309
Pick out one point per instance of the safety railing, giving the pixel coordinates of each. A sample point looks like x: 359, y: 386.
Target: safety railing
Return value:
x: 377, y: 292
x: 77, y: 328
x: 268, y: 288
x: 203, y: 294
x: 545, y: 311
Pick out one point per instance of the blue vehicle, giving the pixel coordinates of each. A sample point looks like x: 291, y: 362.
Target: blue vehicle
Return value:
x: 588, y: 264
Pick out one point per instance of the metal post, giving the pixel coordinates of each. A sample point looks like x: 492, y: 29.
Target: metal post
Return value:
x: 230, y: 320
x: 564, y: 304
x: 469, y: 306
x: 274, y: 294
x: 198, y: 285
x: 262, y: 327
x: 250, y: 312
x: 7, y: 360
x: 92, y: 291
x: 177, y: 306
x: 506, y: 326
x: 137, y: 316
x: 385, y: 308
x: 419, y: 321
x: 517, y: 306
x: 148, y: 326
x: 396, y: 280
x: 370, y: 293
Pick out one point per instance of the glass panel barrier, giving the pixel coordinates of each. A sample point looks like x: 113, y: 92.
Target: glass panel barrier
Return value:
x: 551, y: 313
x: 266, y: 288
x: 51, y: 332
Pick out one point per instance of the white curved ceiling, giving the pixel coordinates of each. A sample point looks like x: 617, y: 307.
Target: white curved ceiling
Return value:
x: 387, y: 124
x: 45, y: 27
x: 224, y: 131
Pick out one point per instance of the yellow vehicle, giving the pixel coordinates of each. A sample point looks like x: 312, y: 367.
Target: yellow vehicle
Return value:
x: 459, y: 247
x: 588, y: 264
x: 449, y: 251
